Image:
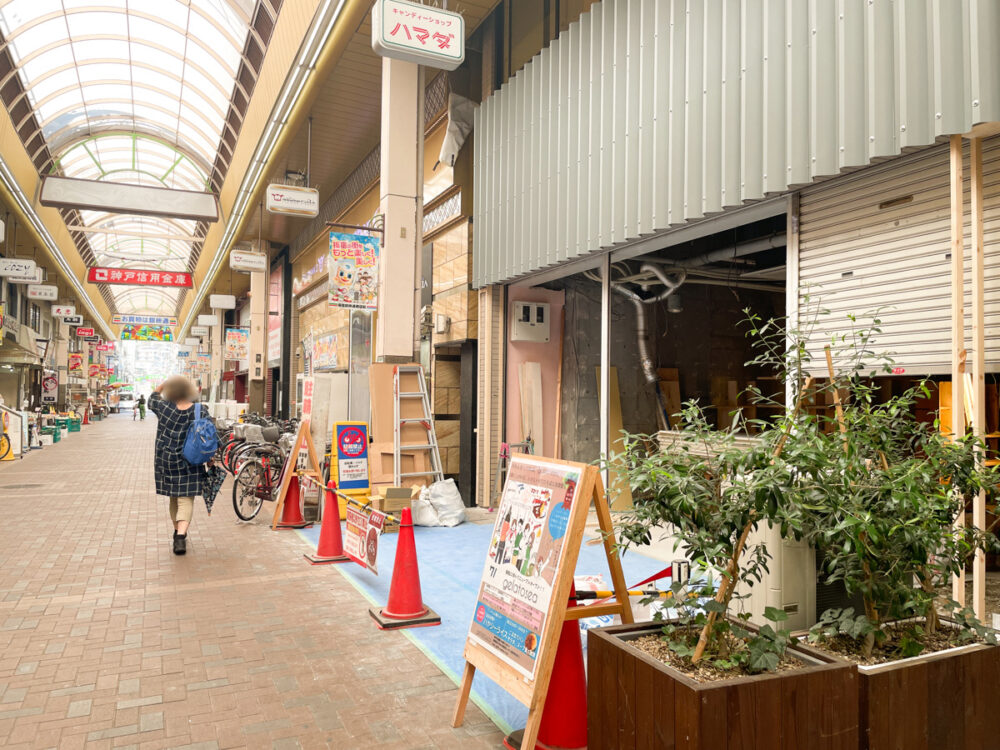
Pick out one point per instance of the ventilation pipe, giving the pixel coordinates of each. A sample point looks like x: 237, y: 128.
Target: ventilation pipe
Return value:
x: 671, y: 285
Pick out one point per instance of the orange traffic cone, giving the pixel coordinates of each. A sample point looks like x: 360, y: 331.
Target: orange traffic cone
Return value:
x: 405, y: 608
x: 331, y: 544
x: 291, y: 513
x: 564, y: 718
x: 86, y: 411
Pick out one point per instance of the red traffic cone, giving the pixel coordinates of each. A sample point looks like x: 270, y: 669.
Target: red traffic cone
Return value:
x: 86, y: 411
x: 331, y: 545
x: 405, y: 608
x: 291, y: 513
x: 564, y: 718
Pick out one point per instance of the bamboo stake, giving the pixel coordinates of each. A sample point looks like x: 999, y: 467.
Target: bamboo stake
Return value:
x: 836, y: 396
x: 725, y: 592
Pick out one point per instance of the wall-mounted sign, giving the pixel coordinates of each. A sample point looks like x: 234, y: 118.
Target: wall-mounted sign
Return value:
x: 50, y: 387
x: 237, y: 343
x: 351, y: 468
x: 147, y: 333
x: 222, y: 301
x: 144, y: 320
x: 84, y: 331
x: 312, y: 296
x: 72, y: 320
x: 62, y: 311
x: 92, y: 339
x: 246, y: 260
x: 35, y: 277
x: 199, y: 330
x: 418, y: 33
x: 289, y: 199
x: 207, y: 320
x: 324, y: 351
x: 44, y: 292
x: 17, y: 267
x: 138, y: 278
x: 353, y: 282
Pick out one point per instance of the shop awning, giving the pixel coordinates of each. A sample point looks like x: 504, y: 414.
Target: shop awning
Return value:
x: 12, y: 354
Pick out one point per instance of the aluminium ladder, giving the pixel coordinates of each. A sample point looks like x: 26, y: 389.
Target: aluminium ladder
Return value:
x: 424, y: 419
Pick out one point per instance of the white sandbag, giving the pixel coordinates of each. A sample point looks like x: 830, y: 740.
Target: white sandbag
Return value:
x: 447, y: 501
x: 423, y: 511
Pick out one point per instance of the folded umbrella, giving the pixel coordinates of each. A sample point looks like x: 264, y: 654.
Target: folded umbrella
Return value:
x: 215, y: 475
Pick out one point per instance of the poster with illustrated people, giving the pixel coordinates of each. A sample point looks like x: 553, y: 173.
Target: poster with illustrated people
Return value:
x: 522, y: 561
x: 353, y: 267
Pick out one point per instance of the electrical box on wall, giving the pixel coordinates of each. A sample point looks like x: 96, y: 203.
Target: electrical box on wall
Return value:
x: 531, y: 322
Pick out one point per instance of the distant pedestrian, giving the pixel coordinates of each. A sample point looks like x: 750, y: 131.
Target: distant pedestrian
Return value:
x: 173, y: 405
x: 142, y: 408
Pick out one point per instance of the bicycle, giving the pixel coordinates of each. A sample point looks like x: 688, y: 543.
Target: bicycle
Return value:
x: 258, y: 469
x: 4, y: 442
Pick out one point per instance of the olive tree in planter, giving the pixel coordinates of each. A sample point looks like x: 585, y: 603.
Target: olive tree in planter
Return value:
x: 720, y: 683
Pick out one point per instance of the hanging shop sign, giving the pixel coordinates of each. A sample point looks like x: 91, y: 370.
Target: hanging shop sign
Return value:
x: 43, y: 292
x: 362, y: 531
x: 106, y: 348
x: 237, y: 343
x: 199, y: 330
x: 144, y: 320
x: 181, y: 353
x: 308, y: 390
x: 35, y: 277
x: 351, y: 470
x: 324, y: 352
x: 139, y: 278
x: 292, y: 200
x: 84, y: 331
x: 92, y: 339
x: 94, y: 370
x: 17, y: 267
x: 76, y: 363
x: 147, y: 333
x: 353, y: 263
x: 208, y: 320
x: 191, y: 341
x: 50, y: 387
x: 62, y: 311
x: 247, y: 260
x: 222, y: 301
x: 72, y: 320
x: 418, y: 33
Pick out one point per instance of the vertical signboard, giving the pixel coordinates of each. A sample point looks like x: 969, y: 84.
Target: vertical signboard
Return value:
x: 50, y: 387
x: 353, y: 262
x: 350, y: 439
x: 274, y: 298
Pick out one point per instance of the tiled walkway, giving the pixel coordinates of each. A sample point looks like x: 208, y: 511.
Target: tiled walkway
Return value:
x: 109, y: 640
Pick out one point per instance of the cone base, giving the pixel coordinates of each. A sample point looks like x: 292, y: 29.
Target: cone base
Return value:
x: 317, y: 560
x: 426, y: 620
x: 303, y: 525
x: 513, y: 742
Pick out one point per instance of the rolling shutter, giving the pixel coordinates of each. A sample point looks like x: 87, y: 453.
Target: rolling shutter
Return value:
x: 879, y: 243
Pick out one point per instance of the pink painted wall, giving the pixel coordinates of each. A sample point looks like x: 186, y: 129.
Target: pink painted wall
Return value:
x: 545, y: 354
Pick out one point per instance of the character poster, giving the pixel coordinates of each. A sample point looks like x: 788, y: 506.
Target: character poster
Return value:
x: 353, y: 268
x: 523, y: 559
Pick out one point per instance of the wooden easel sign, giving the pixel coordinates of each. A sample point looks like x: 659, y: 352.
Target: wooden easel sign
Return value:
x: 303, y: 442
x: 525, y: 587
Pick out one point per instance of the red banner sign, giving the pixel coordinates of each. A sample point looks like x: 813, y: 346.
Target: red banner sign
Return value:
x: 94, y: 370
x: 138, y: 278
x: 84, y: 331
x: 105, y: 347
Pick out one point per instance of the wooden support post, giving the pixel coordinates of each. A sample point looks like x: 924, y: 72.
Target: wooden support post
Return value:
x: 978, y: 362
x: 957, y: 320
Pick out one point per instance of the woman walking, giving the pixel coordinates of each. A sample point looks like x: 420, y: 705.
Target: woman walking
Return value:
x: 173, y: 405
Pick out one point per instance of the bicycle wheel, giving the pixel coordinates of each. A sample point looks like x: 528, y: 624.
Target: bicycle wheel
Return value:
x: 249, y: 489
x: 4, y: 446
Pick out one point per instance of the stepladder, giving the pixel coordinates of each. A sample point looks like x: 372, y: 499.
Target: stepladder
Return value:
x: 413, y: 427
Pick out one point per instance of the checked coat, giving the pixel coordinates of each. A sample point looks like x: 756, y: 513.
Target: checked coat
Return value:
x: 175, y: 477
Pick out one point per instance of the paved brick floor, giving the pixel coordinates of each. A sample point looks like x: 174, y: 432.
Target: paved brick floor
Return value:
x: 109, y: 640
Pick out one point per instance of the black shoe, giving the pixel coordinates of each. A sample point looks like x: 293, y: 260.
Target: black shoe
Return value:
x: 180, y: 543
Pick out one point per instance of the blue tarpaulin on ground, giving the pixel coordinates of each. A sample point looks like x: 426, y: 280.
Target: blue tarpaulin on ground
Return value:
x: 451, y: 562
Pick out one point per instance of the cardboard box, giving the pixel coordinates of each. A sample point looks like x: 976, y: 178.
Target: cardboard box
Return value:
x: 392, y: 499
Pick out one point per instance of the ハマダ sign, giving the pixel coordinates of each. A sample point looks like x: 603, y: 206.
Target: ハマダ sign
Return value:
x: 418, y: 34
x: 138, y: 278
x: 289, y: 199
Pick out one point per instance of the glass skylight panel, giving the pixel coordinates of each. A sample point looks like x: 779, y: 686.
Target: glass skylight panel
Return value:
x: 93, y: 23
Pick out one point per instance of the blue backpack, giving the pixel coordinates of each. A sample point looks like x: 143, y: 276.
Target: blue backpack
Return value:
x: 202, y: 440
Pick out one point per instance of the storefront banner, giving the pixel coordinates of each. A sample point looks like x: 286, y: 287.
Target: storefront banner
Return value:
x: 353, y: 283
x: 147, y: 333
x: 516, y: 586
x: 76, y: 363
x: 237, y: 343
x: 275, y: 297
x: 50, y: 387
x: 144, y: 320
x: 361, y: 537
x: 324, y: 354
x: 138, y: 278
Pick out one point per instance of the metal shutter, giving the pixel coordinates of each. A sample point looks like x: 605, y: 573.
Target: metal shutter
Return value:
x: 880, y: 241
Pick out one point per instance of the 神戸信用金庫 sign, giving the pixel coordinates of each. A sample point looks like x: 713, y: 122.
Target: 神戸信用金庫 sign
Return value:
x: 353, y: 263
x: 135, y: 277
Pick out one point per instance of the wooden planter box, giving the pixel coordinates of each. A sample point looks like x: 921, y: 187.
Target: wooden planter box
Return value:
x: 941, y: 701
x: 637, y: 702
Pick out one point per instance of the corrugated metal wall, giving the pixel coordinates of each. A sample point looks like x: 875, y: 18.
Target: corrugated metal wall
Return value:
x: 881, y: 240
x: 490, y: 417
x: 646, y: 114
